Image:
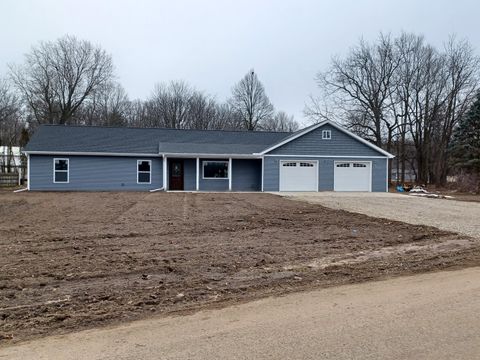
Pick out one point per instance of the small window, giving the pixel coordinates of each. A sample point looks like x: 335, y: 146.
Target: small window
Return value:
x: 326, y: 134
x: 144, y: 171
x: 359, y: 165
x: 345, y: 165
x: 60, y: 171
x: 215, y: 169
x: 306, y: 164
x: 292, y: 164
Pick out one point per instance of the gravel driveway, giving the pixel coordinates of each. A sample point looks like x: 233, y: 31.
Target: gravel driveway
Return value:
x: 457, y: 216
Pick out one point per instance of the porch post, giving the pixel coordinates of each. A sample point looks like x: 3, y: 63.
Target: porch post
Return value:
x: 28, y: 172
x: 165, y: 170
x: 263, y: 169
x: 230, y: 174
x: 197, y: 186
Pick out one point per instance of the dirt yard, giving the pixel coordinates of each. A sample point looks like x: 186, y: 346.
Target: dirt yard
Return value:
x: 77, y: 260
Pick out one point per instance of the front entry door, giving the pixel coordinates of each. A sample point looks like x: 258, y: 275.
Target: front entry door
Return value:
x: 176, y: 175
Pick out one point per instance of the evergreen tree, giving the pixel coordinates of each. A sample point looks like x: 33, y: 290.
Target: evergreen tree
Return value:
x: 465, y: 150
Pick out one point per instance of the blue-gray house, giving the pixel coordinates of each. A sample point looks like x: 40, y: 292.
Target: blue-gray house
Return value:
x: 322, y: 157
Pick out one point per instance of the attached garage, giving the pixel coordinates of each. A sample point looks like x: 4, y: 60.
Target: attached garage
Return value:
x: 298, y: 175
x: 353, y: 176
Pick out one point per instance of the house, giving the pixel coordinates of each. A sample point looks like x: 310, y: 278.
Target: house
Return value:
x: 322, y: 157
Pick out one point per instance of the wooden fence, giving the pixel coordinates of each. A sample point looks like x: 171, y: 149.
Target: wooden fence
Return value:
x: 9, y: 179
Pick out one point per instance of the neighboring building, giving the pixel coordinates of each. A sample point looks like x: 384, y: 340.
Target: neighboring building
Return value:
x: 322, y: 157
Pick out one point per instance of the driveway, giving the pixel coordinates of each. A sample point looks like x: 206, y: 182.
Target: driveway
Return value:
x: 429, y: 316
x: 457, y: 216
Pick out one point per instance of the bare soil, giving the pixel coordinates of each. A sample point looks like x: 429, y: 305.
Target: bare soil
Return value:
x: 70, y: 261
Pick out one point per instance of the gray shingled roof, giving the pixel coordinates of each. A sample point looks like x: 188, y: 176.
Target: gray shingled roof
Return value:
x: 60, y: 138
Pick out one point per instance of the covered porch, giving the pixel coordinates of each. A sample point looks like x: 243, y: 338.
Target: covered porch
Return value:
x: 211, y: 173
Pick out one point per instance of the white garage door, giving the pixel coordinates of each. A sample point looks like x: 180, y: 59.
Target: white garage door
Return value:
x: 352, y: 176
x: 296, y: 175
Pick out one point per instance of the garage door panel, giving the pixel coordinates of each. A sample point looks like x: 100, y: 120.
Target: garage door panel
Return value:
x: 298, y: 175
x: 352, y: 176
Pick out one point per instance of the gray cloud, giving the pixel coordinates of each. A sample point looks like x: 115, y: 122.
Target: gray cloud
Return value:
x: 212, y: 44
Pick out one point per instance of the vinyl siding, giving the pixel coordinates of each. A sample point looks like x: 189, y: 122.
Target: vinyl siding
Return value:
x: 325, y: 172
x: 312, y: 143
x: 94, y: 173
x: 190, y: 174
x: 247, y: 175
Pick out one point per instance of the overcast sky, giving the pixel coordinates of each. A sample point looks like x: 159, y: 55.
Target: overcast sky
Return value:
x: 212, y: 44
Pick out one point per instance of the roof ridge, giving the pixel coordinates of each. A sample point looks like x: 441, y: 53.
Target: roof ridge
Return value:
x: 165, y: 128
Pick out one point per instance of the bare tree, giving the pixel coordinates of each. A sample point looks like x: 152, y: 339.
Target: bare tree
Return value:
x: 417, y: 99
x: 108, y: 106
x: 11, y: 124
x: 250, y: 101
x: 226, y: 118
x: 169, y: 104
x: 462, y: 74
x: 136, y: 113
x: 280, y: 122
x: 363, y: 81
x: 179, y: 105
x: 58, y: 77
x: 201, y: 111
x: 402, y: 91
x: 434, y: 89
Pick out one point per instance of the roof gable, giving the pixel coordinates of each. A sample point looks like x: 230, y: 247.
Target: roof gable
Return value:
x: 308, y: 141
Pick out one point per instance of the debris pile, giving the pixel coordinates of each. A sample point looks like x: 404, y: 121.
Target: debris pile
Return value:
x: 420, y: 191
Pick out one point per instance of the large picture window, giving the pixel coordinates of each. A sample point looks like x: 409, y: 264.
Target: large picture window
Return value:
x: 215, y: 169
x: 144, y: 171
x: 60, y: 170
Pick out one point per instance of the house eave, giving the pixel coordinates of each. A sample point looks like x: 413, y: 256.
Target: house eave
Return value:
x: 177, y: 155
x: 88, y: 153
x: 212, y: 156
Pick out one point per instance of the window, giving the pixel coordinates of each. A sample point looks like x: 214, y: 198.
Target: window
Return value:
x: 343, y: 165
x: 144, y: 171
x: 359, y: 165
x: 306, y: 164
x: 292, y: 164
x: 326, y: 134
x: 215, y: 169
x: 60, y: 171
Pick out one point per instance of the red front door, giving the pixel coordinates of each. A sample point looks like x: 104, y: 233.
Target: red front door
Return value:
x: 176, y: 175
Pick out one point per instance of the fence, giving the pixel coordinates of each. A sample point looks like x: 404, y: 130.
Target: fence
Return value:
x: 9, y: 179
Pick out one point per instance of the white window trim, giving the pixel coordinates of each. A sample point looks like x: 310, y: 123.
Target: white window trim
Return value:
x: 215, y: 161
x: 67, y: 171
x: 145, y: 172
x: 326, y: 134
